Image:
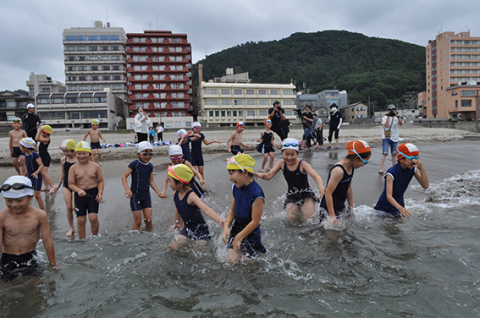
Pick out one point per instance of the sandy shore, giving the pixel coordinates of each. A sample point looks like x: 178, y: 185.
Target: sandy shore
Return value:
x: 371, y: 134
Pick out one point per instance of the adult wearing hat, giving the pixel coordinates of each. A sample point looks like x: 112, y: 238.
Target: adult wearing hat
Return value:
x: 30, y: 121
x: 335, y: 122
x: 390, y: 135
x: 142, y: 123
x: 276, y: 114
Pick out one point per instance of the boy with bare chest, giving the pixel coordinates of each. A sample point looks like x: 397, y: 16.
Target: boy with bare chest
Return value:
x: 21, y: 226
x: 95, y: 136
x: 15, y: 136
x: 85, y: 178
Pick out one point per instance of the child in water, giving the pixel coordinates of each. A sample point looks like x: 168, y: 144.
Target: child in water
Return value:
x: 300, y: 201
x: 398, y: 178
x: 85, y: 178
x: 235, y: 140
x: 267, y: 145
x: 15, y: 135
x: 175, y: 154
x: 197, y: 155
x: 246, y: 209
x: 141, y: 170
x: 43, y: 136
x: 21, y: 226
x: 184, y: 140
x: 68, y: 148
x: 34, y: 165
x: 339, y: 182
x: 188, y: 216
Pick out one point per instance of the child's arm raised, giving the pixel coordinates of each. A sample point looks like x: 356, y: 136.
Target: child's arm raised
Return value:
x: 269, y: 175
x: 194, y: 136
x: 257, y: 211
x: 193, y: 199
x: 421, y: 174
x: 389, y: 193
x: 228, y: 222
x: 46, y: 238
x: 39, y: 137
x: 128, y: 192
x: 182, y: 140
x: 315, y: 176
x: 100, y: 183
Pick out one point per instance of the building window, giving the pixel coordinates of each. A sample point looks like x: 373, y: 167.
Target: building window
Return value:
x: 57, y: 101
x: 237, y: 91
x: 72, y: 68
x: 92, y: 48
x: 94, y: 78
x: 250, y: 102
x: 82, y: 68
x: 468, y: 93
x: 262, y: 102
x: 81, y: 48
x: 273, y: 92
x: 223, y: 113
x: 262, y: 113
x: 105, y: 58
x: 83, y: 88
x: 287, y: 92
x: 70, y: 48
x: 72, y: 78
x: 104, y: 48
x: 210, y: 113
x: 43, y: 101
x: 72, y: 88
x: 106, y: 78
x: 250, y: 91
x: 287, y: 102
x: 237, y: 102
x: 262, y: 92
x: 73, y: 100
x: 234, y: 113
x: 211, y: 91
x: 225, y: 102
x: 250, y: 113
x: 82, y: 78
x: 95, y: 87
x: 225, y: 91
x: 466, y: 103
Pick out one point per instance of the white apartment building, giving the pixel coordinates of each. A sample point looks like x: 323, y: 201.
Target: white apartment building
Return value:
x: 95, y: 59
x: 232, y: 98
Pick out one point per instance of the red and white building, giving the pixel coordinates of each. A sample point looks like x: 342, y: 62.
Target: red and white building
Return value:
x: 159, y: 74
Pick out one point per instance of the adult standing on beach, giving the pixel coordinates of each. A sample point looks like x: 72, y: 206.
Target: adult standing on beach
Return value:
x: 307, y: 122
x: 142, y: 123
x: 276, y: 114
x: 390, y: 135
x: 30, y: 121
x: 318, y: 132
x: 335, y: 122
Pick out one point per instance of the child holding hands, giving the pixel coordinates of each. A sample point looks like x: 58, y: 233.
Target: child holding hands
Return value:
x: 267, y: 145
x: 34, y: 165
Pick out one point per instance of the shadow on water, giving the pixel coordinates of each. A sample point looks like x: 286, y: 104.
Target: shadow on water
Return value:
x: 426, y: 265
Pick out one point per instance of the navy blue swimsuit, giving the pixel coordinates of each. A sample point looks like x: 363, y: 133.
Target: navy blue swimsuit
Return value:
x: 194, y: 225
x: 340, y: 194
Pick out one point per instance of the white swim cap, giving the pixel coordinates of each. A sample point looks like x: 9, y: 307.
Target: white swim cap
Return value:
x: 23, y: 185
x: 144, y: 145
x: 181, y: 132
x: 175, y: 150
x: 290, y: 143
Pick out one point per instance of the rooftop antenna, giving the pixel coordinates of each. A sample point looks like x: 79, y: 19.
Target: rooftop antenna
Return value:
x: 106, y: 14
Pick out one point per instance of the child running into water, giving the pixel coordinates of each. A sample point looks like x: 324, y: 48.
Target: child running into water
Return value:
x: 197, y: 155
x: 15, y: 135
x: 267, y: 145
x: 85, y: 178
x: 188, y: 216
x: 175, y: 154
x: 141, y: 170
x: 43, y: 136
x: 398, y: 178
x: 339, y: 183
x: 246, y: 209
x: 235, y: 140
x: 34, y: 165
x: 300, y: 201
x: 95, y: 136
x: 21, y: 226
x: 184, y: 140
x: 68, y: 148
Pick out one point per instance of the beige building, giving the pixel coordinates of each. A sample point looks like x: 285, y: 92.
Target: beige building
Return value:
x: 233, y: 98
x: 452, y: 60
x: 41, y: 83
x: 422, y: 104
x: 352, y: 113
x: 463, y: 102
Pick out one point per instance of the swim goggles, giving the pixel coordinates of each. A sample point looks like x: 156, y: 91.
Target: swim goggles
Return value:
x: 15, y: 186
x: 176, y: 158
x: 408, y: 157
x: 232, y: 161
x: 16, y: 120
x: 197, y: 128
x: 147, y: 154
x: 293, y: 144
x: 364, y: 161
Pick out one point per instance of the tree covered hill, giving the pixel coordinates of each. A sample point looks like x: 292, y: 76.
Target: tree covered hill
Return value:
x: 389, y: 71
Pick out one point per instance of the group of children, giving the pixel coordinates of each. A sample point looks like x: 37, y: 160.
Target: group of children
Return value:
x: 84, y: 185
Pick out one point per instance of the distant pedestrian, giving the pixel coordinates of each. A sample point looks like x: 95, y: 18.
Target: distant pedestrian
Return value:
x: 318, y: 130
x: 151, y: 135
x: 390, y: 135
x: 276, y: 114
x: 160, y: 130
x: 142, y: 122
x: 30, y: 121
x: 335, y: 122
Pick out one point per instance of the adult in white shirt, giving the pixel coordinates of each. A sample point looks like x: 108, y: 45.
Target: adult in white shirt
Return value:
x: 390, y: 135
x: 160, y: 130
x: 142, y: 123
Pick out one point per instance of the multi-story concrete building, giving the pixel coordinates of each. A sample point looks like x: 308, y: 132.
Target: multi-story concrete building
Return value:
x: 41, y: 83
x: 159, y: 71
x: 233, y: 98
x: 354, y: 113
x: 95, y: 59
x: 12, y: 105
x: 422, y: 104
x: 453, y: 60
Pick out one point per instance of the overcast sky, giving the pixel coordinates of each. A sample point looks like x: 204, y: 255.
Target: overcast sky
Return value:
x: 31, y: 31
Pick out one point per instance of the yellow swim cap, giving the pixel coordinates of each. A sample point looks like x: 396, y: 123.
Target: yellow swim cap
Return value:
x: 68, y: 144
x: 48, y: 129
x: 83, y: 146
x: 241, y: 162
x: 181, y: 173
x: 95, y: 122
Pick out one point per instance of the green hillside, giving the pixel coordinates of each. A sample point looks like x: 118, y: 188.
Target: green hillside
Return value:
x: 389, y: 71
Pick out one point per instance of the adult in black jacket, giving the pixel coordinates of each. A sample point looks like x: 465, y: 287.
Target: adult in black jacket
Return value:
x: 276, y: 114
x: 335, y: 122
x: 30, y: 121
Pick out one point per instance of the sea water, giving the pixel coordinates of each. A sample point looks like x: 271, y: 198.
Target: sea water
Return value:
x: 425, y: 266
